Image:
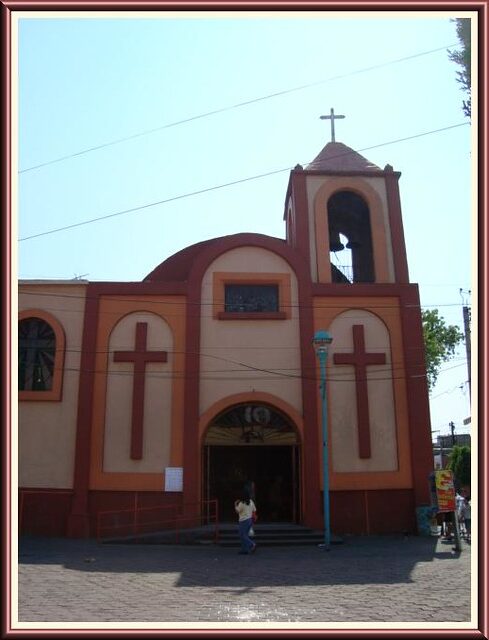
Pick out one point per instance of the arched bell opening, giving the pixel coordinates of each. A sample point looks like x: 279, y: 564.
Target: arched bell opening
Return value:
x: 351, y: 251
x: 253, y: 442
x: 341, y: 263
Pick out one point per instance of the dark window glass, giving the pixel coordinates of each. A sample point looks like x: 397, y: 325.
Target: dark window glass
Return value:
x: 37, y: 348
x: 251, y: 298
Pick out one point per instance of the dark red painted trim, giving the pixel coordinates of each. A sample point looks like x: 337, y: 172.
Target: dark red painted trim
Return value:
x: 111, y: 509
x: 417, y: 394
x: 312, y: 515
x: 139, y: 357
x: 361, y: 290
x: 254, y: 315
x: 137, y: 288
x: 397, y: 229
x: 78, y: 525
x: 191, y: 443
x: 288, y: 193
x: 360, y: 359
x: 301, y: 217
x: 44, y: 511
x: 349, y: 174
x: 373, y: 512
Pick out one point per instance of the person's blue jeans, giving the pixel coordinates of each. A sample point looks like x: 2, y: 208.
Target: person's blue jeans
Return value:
x: 244, y: 527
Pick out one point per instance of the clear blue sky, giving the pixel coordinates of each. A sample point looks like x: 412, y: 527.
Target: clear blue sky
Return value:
x: 91, y: 81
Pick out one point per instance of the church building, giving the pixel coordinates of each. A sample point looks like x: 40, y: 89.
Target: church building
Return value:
x: 172, y: 392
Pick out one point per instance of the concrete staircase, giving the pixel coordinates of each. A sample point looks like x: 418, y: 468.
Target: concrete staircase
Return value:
x: 266, y: 534
x: 273, y: 535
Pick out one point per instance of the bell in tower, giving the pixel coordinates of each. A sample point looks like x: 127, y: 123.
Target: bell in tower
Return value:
x: 335, y: 243
x: 348, y: 214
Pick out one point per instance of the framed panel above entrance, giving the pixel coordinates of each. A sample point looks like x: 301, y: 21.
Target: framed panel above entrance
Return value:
x: 251, y: 423
x: 280, y: 413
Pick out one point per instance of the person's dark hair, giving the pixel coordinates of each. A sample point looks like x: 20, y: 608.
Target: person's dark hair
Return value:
x: 245, y: 498
x: 249, y: 489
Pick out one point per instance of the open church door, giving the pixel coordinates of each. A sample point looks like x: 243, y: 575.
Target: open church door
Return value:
x: 250, y: 443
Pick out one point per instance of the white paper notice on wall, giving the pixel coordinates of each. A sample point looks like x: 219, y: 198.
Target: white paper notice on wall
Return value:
x: 174, y: 479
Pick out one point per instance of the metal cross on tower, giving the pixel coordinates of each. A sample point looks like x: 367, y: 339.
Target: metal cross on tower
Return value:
x: 332, y: 117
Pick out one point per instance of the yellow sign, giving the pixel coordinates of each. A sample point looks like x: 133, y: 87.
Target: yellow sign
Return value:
x: 445, y: 490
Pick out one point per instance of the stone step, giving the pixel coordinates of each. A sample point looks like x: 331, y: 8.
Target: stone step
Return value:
x: 266, y: 534
x: 274, y: 543
x: 271, y: 530
x: 269, y: 542
x: 271, y: 535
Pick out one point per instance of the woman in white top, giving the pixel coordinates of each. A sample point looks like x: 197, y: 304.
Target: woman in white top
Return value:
x: 245, y: 507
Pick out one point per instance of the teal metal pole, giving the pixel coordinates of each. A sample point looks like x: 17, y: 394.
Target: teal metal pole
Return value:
x: 323, y: 354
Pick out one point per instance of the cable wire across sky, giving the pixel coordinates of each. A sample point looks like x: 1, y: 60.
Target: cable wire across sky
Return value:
x: 229, y: 108
x: 227, y: 184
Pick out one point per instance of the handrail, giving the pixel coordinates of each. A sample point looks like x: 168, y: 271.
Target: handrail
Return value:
x: 203, y: 511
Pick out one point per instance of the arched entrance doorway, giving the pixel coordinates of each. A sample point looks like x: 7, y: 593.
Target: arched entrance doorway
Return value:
x: 253, y: 442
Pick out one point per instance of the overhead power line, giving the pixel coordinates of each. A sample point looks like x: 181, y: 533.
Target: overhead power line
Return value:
x: 203, y: 303
x: 223, y: 374
x: 234, y: 106
x: 271, y: 374
x: 227, y: 184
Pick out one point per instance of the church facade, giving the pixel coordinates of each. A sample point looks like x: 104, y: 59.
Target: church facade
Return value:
x: 174, y: 391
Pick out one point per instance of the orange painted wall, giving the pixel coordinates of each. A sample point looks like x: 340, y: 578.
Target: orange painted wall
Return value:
x: 112, y: 309
x: 387, y: 309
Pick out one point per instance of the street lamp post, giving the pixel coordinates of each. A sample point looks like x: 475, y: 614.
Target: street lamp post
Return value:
x: 321, y: 341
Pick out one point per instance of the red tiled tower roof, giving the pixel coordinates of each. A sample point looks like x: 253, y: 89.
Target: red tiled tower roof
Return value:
x: 336, y: 156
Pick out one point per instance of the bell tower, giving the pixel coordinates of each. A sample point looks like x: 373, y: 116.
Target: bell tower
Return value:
x: 343, y: 214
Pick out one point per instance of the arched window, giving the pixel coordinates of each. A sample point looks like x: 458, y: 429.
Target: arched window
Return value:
x: 349, y: 215
x: 41, y: 352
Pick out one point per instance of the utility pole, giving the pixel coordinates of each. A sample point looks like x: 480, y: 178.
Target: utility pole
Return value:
x: 466, y: 315
x: 452, y: 429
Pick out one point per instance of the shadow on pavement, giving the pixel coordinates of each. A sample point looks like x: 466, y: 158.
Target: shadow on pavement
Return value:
x: 359, y: 560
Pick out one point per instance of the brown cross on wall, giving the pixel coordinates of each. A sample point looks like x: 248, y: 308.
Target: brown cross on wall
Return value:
x: 139, y: 357
x: 360, y: 359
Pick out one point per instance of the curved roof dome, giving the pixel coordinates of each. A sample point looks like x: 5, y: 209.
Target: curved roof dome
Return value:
x: 177, y: 267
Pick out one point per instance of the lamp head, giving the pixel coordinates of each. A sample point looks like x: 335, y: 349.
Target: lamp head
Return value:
x: 322, y: 339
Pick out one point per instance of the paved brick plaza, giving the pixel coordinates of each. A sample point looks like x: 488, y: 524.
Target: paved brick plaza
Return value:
x: 376, y: 579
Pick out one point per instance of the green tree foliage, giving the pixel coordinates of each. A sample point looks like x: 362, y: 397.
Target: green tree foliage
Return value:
x: 440, y: 342
x: 462, y: 58
x: 459, y: 463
